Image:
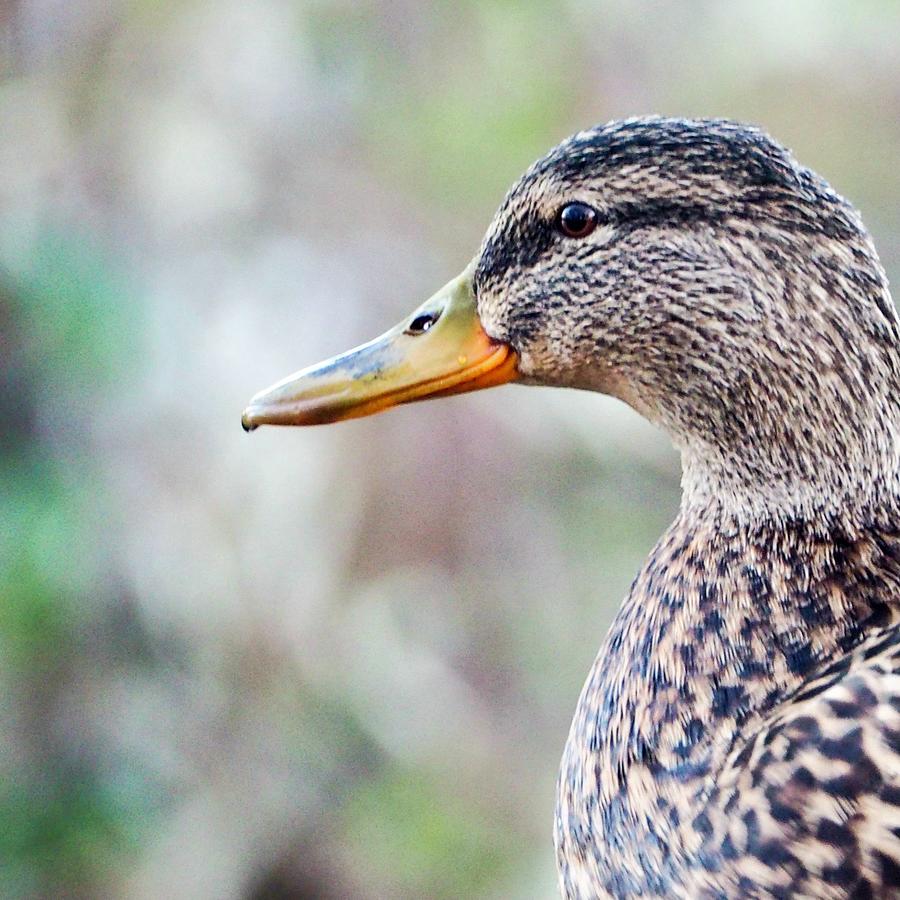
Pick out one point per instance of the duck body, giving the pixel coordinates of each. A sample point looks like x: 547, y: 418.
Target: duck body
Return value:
x: 739, y: 732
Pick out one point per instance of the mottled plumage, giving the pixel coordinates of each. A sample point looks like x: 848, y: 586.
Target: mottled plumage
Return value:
x: 739, y: 733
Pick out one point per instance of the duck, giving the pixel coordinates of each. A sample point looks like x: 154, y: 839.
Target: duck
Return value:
x: 739, y: 732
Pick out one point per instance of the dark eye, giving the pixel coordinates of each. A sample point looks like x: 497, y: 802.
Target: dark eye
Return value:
x: 421, y: 323
x: 577, y: 220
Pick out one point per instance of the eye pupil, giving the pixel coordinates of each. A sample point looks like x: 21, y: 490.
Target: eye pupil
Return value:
x: 577, y: 220
x: 421, y: 323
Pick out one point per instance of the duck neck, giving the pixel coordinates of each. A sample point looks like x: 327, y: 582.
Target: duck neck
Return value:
x: 797, y: 414
x: 781, y: 475
x: 723, y: 623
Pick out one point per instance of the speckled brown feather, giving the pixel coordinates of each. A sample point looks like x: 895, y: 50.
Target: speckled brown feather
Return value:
x: 737, y: 727
x: 739, y: 733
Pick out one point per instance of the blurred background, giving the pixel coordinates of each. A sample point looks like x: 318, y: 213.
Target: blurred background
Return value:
x: 340, y: 662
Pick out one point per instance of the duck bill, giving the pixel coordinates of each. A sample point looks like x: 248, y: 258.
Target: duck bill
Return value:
x: 441, y: 349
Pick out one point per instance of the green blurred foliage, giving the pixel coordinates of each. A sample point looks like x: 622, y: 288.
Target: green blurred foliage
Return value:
x: 63, y: 818
x: 400, y: 827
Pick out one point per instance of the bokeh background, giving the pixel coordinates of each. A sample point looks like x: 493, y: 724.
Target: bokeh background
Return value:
x: 340, y: 662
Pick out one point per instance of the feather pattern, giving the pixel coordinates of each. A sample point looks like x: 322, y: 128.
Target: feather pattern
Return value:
x: 739, y: 733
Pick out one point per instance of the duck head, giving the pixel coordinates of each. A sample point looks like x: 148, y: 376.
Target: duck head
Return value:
x: 691, y: 268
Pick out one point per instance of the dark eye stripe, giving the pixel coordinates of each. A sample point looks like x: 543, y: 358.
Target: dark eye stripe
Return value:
x: 650, y: 212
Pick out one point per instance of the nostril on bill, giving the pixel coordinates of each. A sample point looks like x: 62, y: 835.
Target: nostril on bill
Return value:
x: 421, y: 323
